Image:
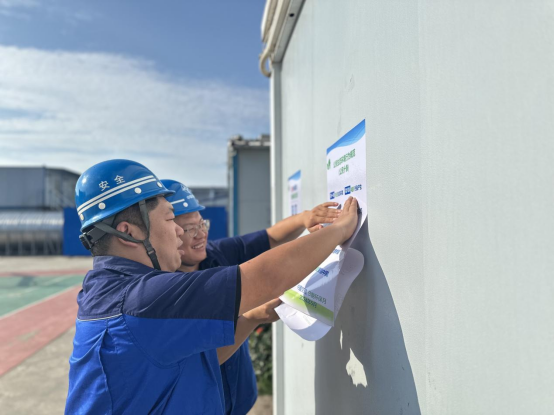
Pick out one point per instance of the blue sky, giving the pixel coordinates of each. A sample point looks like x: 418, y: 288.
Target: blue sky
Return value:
x: 162, y: 82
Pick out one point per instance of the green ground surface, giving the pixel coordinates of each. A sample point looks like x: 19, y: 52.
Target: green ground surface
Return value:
x: 19, y: 291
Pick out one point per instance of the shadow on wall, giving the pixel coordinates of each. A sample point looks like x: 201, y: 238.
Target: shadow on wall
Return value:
x: 362, y: 366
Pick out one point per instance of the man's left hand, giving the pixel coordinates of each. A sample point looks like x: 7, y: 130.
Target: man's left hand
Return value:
x: 264, y: 314
x: 321, y: 214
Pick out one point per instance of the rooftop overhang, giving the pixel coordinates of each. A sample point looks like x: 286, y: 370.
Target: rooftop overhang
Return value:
x: 278, y: 23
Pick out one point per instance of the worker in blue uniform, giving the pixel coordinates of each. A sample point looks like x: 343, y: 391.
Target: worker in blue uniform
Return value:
x: 149, y: 340
x: 238, y: 377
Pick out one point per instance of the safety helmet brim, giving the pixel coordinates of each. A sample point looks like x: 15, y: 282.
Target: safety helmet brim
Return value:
x: 106, y: 213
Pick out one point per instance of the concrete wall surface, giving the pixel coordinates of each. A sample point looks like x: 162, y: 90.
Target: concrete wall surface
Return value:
x: 453, y: 311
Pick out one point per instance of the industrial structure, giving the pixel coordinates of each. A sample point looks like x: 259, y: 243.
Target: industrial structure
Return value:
x: 38, y: 216
x: 32, y: 200
x: 453, y: 311
x: 249, y: 184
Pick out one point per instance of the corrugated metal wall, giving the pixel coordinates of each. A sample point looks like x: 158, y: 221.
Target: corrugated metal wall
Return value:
x: 59, y: 188
x: 31, y: 203
x: 30, y: 232
x: 22, y: 188
x: 36, y: 188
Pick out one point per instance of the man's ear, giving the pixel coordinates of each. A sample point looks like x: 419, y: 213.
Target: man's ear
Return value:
x: 132, y: 230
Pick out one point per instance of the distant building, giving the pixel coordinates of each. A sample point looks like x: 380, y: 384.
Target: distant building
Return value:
x: 211, y: 197
x: 249, y: 184
x: 36, y: 188
x: 38, y: 217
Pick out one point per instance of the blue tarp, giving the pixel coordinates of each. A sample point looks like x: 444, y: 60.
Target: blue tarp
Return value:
x: 218, y: 220
x: 71, y: 230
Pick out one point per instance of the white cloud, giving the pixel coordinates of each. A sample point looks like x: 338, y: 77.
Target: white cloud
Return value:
x: 14, y: 8
x: 75, y: 109
x: 23, y: 9
x: 9, y: 4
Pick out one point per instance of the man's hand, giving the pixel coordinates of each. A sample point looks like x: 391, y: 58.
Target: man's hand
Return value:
x: 315, y: 228
x: 291, y: 227
x: 321, y: 214
x: 348, y: 220
x: 248, y: 322
x: 264, y: 314
x: 262, y: 277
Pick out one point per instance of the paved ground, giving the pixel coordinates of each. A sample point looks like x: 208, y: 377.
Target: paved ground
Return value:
x: 37, y: 316
x: 263, y: 406
x: 37, y: 303
x: 38, y: 385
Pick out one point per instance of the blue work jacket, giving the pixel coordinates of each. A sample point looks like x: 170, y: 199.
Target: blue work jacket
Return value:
x: 146, y: 340
x: 239, y: 380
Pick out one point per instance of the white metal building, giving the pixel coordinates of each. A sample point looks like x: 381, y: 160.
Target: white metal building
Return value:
x: 454, y: 311
x: 248, y: 180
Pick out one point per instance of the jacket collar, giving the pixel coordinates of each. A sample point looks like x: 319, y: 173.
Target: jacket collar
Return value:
x: 120, y: 265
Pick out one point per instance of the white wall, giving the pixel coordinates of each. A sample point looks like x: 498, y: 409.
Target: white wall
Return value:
x: 454, y: 310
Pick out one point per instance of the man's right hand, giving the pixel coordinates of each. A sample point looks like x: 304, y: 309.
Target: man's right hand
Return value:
x: 272, y: 273
x: 348, y: 219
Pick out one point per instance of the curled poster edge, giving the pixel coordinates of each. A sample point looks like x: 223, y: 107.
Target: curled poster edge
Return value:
x: 310, y: 328
x: 305, y: 326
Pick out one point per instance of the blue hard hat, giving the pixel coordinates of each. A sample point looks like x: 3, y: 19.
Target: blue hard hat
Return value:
x: 112, y: 186
x: 183, y: 200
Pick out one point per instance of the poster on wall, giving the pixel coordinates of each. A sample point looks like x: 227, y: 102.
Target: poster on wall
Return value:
x: 310, y: 308
x: 301, y: 321
x: 346, y: 173
x: 294, y: 191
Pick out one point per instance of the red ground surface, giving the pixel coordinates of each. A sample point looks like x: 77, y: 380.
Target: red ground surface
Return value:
x: 30, y: 329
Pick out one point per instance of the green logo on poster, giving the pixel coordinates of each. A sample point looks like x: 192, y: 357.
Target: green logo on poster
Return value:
x: 329, y: 164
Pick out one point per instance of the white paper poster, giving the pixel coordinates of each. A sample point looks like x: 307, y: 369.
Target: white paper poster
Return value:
x: 294, y: 189
x: 310, y: 328
x: 346, y: 172
x: 319, y: 296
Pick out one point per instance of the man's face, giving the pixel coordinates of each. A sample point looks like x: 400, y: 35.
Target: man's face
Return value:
x: 194, y: 248
x: 165, y: 236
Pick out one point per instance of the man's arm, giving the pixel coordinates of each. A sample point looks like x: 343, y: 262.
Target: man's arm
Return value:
x: 290, y: 228
x: 246, y: 323
x: 270, y: 274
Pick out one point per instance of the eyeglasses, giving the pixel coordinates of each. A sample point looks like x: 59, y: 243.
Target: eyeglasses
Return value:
x: 192, y: 230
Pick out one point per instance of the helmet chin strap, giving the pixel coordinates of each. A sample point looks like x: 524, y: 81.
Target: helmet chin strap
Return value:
x: 106, y: 227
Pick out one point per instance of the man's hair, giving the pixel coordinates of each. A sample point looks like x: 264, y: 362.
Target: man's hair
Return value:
x: 131, y: 215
